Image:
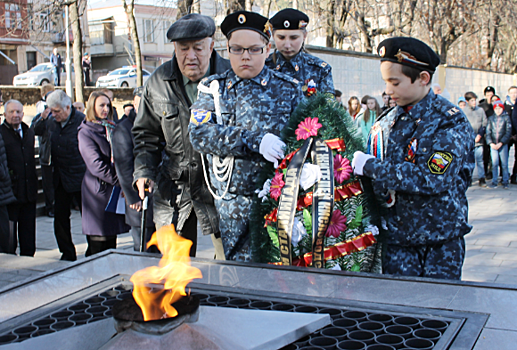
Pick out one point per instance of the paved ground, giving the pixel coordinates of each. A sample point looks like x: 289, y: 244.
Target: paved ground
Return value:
x: 491, y: 246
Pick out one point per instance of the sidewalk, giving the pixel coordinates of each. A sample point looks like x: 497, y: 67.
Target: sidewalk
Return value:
x: 491, y: 246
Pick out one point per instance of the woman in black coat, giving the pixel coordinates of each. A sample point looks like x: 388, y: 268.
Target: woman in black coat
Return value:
x: 100, y: 226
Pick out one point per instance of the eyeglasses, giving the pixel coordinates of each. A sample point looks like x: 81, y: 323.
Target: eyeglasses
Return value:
x: 236, y: 50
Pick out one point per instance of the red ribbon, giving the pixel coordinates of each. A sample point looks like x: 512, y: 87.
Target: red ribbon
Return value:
x: 337, y: 144
x: 341, y: 192
x: 341, y: 249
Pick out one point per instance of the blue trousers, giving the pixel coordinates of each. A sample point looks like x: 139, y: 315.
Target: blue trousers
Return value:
x: 478, y: 154
x: 499, y: 155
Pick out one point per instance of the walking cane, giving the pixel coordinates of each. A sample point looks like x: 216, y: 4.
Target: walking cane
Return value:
x: 143, y: 223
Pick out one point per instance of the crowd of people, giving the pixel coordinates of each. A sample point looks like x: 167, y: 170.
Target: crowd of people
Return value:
x: 200, y: 130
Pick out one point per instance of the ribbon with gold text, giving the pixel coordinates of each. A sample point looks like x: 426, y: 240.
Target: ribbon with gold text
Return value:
x: 322, y: 199
x: 288, y: 201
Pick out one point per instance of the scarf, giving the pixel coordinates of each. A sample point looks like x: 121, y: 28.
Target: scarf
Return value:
x: 109, y: 126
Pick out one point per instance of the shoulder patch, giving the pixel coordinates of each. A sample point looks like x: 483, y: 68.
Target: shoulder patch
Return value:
x: 200, y: 116
x: 453, y: 111
x: 439, y: 162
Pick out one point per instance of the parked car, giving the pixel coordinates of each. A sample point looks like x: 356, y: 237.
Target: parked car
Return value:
x: 39, y: 74
x: 121, y: 77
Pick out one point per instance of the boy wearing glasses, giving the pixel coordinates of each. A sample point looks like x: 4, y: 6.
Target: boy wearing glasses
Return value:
x: 236, y: 122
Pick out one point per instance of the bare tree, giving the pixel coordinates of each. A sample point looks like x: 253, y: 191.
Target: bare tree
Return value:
x: 77, y: 49
x: 446, y: 21
x: 129, y: 9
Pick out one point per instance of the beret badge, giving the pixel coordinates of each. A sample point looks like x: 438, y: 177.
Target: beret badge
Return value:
x: 286, y: 24
x: 382, y: 51
x: 403, y: 56
x: 268, y: 28
x: 241, y: 19
x: 302, y: 24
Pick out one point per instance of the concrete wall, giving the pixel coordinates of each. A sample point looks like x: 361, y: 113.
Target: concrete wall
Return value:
x: 358, y: 74
x: 31, y: 95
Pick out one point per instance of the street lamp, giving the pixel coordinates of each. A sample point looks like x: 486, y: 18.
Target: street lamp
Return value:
x: 68, y: 85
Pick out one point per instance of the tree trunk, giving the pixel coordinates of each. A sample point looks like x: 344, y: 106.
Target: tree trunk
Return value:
x: 77, y: 51
x: 129, y: 8
x: 331, y: 24
x: 196, y: 6
x: 184, y: 7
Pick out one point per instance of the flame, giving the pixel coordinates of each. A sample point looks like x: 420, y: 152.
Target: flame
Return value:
x: 173, y: 272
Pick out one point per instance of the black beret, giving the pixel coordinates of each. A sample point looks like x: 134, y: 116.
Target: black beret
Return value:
x: 138, y: 91
x: 489, y: 89
x: 246, y: 20
x: 289, y: 19
x: 191, y: 27
x: 409, y: 52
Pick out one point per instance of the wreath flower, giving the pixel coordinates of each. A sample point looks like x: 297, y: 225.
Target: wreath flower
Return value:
x: 337, y: 224
x: 276, y: 185
x: 342, y: 168
x: 309, y: 127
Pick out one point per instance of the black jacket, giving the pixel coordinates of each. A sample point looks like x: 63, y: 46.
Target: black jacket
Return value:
x: 162, y: 124
x: 68, y: 164
x: 21, y: 162
x: 122, y: 144
x: 487, y: 107
x: 44, y: 143
x: 6, y: 192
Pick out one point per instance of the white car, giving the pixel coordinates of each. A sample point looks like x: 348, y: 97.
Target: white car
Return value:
x: 42, y: 73
x: 122, y: 77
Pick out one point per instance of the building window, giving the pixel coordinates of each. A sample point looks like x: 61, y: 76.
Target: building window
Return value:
x: 166, y: 26
x: 31, y: 60
x: 148, y: 31
x: 13, y: 16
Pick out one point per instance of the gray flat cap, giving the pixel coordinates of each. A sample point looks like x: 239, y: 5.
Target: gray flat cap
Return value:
x: 191, y: 27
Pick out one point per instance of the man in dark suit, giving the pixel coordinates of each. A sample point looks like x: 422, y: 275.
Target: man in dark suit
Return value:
x: 61, y: 121
x: 19, y: 146
x: 122, y: 145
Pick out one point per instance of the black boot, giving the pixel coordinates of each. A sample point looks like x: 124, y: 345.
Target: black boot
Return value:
x: 513, y: 179
x: 482, y: 182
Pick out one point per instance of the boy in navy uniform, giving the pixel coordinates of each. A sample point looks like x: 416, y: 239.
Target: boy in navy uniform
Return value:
x: 421, y: 161
x: 236, y: 122
x: 289, y: 33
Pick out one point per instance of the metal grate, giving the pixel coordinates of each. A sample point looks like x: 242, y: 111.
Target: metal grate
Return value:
x: 350, y: 329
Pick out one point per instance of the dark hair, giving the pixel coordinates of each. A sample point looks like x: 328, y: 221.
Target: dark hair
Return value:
x: 365, y: 99
x: 496, y: 97
x: 384, y: 93
x: 413, y: 73
x: 512, y: 87
x: 470, y: 95
x: 338, y: 93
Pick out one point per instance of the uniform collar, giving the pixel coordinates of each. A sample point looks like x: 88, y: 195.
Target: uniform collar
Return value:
x: 261, y: 79
x: 295, y: 62
x: 421, y: 105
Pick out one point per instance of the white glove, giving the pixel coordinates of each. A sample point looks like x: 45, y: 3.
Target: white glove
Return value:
x: 311, y: 174
x: 298, y: 232
x: 265, y: 190
x: 359, y: 161
x: 272, y: 148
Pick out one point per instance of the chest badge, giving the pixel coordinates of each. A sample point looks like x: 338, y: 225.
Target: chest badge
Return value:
x: 278, y: 67
x: 309, y: 88
x: 229, y: 85
x: 439, y: 162
x: 263, y: 82
x: 411, y: 150
x: 296, y: 68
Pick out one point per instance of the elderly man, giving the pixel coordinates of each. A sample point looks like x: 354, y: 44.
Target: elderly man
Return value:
x: 162, y: 122
x: 19, y: 147
x: 61, y: 121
